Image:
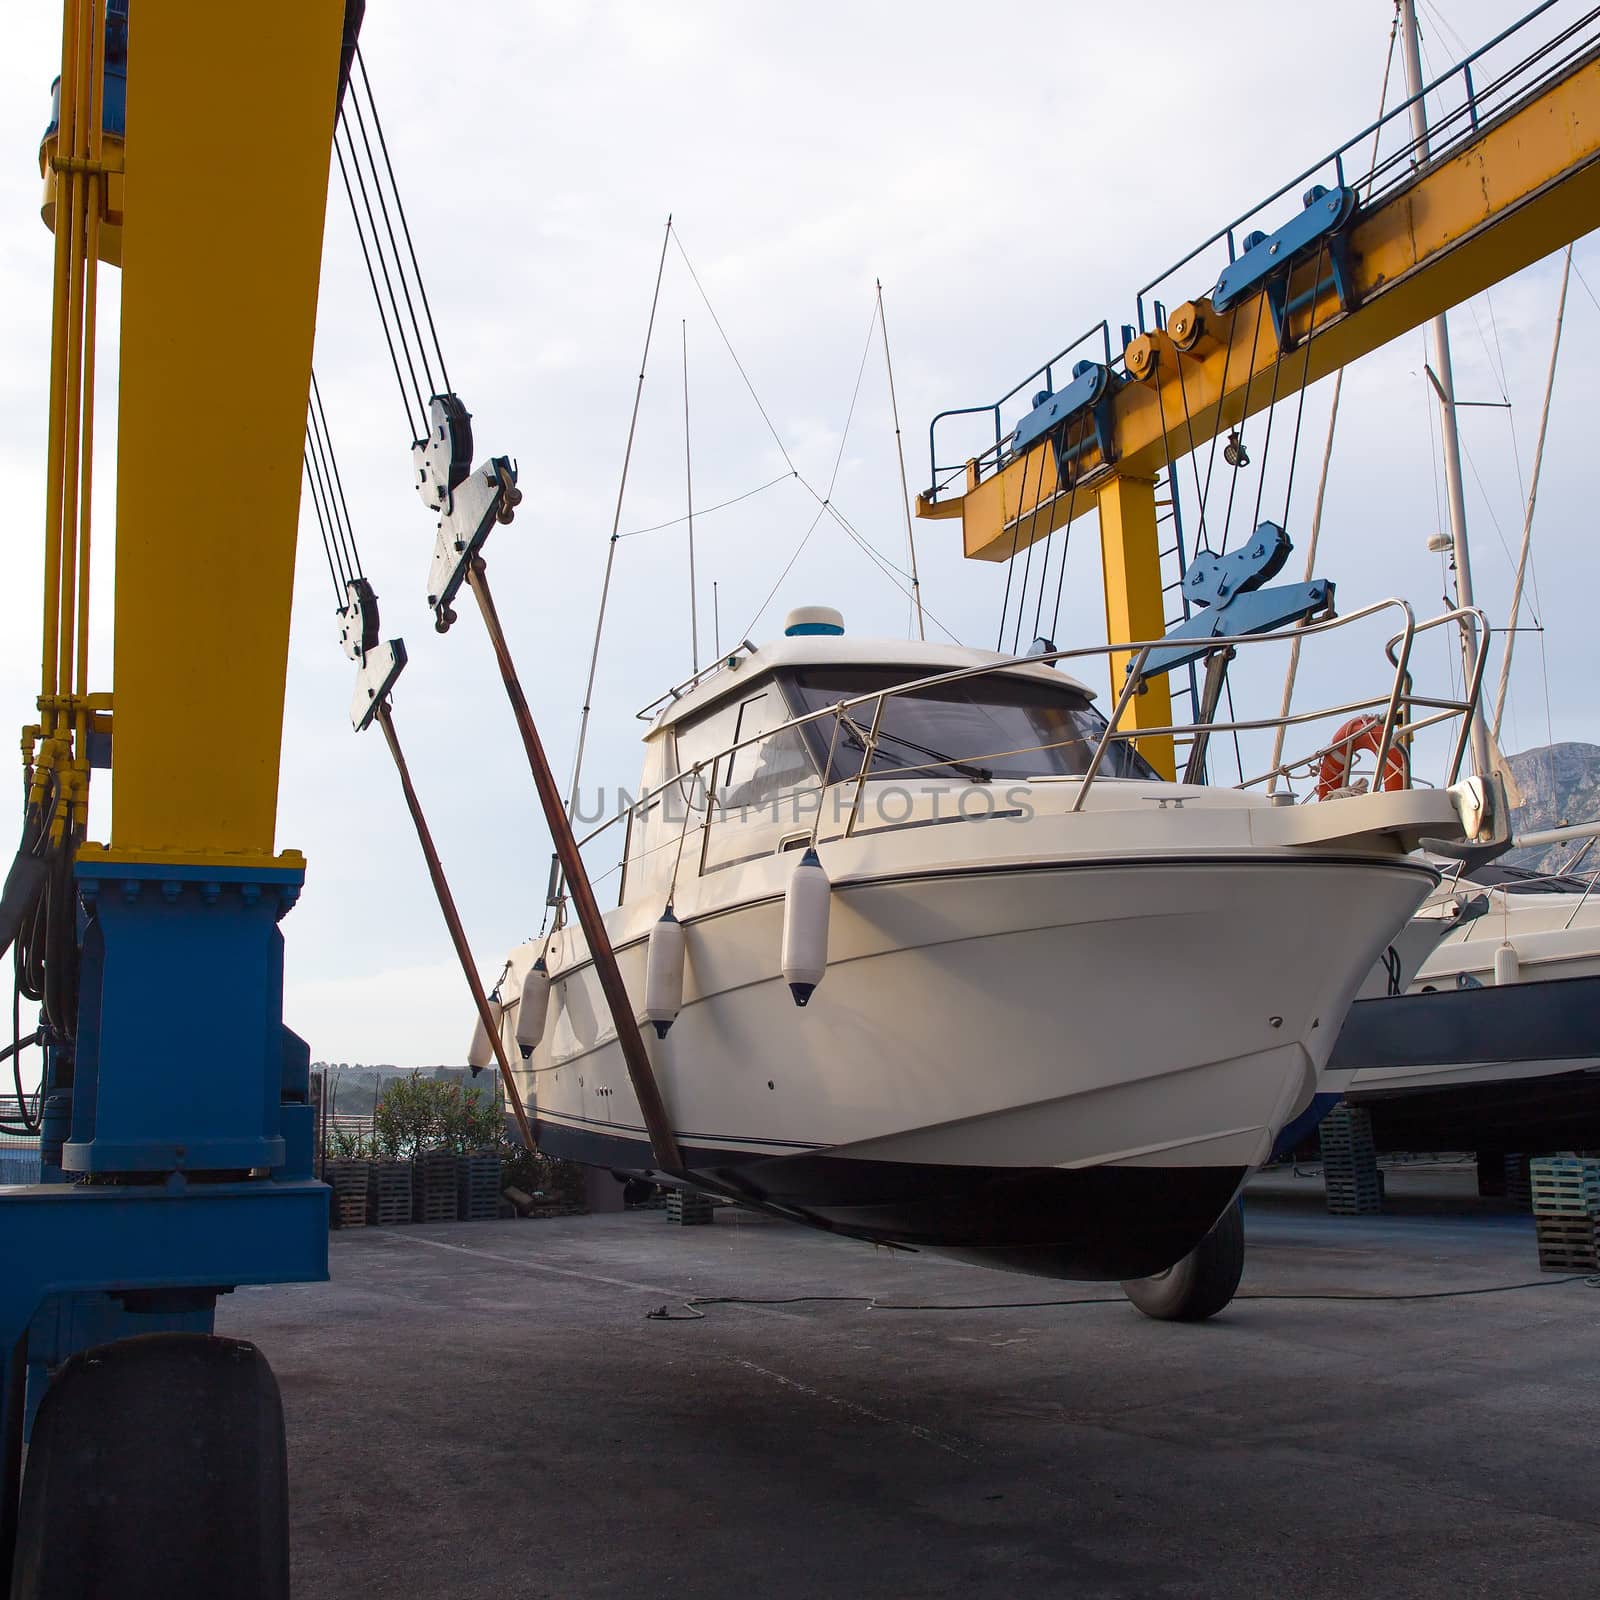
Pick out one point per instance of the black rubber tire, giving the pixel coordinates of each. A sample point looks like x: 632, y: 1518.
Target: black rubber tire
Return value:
x: 1202, y: 1283
x: 157, y: 1470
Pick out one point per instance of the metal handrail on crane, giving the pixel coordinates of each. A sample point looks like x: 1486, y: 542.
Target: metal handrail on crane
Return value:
x: 1451, y: 129
x: 1481, y: 105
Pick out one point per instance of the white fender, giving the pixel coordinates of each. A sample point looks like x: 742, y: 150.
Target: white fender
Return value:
x: 480, y: 1053
x: 663, y: 973
x: 1507, y: 968
x: 533, y: 1008
x: 805, y: 927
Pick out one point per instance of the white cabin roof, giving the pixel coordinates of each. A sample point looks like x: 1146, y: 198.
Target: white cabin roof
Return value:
x: 836, y: 650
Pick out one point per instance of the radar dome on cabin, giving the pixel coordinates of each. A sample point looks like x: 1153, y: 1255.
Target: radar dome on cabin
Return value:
x: 812, y: 619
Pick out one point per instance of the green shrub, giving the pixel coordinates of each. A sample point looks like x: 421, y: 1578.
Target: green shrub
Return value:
x: 344, y: 1144
x: 416, y: 1114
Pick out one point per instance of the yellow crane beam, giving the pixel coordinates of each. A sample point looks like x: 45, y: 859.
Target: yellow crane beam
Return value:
x: 221, y: 255
x: 1522, y: 185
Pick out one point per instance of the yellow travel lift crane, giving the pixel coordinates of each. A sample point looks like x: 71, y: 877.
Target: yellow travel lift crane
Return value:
x: 190, y: 147
x: 1510, y: 175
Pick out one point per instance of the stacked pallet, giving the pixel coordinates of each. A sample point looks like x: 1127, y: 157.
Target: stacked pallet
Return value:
x: 478, y: 1188
x: 348, y: 1180
x: 389, y: 1193
x: 688, y: 1208
x: 1519, y: 1182
x: 1351, y: 1183
x: 433, y: 1187
x: 1566, y: 1212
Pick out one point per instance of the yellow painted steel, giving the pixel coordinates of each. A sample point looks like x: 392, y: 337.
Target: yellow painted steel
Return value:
x: 1528, y: 183
x: 230, y: 118
x: 1128, y: 553
x: 54, y: 749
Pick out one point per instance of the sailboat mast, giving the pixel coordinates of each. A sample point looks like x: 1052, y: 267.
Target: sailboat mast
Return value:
x: 1533, y: 497
x: 688, y: 478
x: 1443, y: 379
x: 900, y: 456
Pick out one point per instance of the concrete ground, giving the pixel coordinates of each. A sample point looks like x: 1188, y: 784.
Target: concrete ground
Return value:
x: 485, y: 1410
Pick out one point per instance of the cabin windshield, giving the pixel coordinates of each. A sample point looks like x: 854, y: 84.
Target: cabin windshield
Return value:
x: 995, y: 726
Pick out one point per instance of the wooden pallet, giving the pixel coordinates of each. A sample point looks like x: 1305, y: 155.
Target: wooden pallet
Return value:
x: 1352, y: 1185
x: 1565, y: 1186
x: 1566, y: 1243
x: 478, y: 1188
x: 689, y: 1209
x: 389, y: 1193
x: 433, y: 1187
x: 348, y: 1180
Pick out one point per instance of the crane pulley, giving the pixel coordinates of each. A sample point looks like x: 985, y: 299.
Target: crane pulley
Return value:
x: 468, y: 503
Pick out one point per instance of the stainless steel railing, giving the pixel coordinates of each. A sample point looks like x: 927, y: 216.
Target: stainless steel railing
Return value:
x: 1404, y: 715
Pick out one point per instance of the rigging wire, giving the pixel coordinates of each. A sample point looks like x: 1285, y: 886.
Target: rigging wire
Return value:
x: 322, y: 527
x: 677, y: 239
x: 1300, y: 405
x: 1525, y: 551
x: 1244, y: 421
x: 1049, y: 538
x: 805, y: 539
x: 387, y: 254
x: 705, y: 511
x: 1066, y: 544
x: 616, y: 522
x: 406, y: 397
x: 414, y: 393
x: 354, y: 103
x: 1027, y: 560
x: 329, y: 506
x: 338, y: 482
x: 405, y: 226
x: 1011, y: 560
x: 825, y: 504
x: 855, y: 394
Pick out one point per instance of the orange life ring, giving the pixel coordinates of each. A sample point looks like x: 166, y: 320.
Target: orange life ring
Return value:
x: 1359, y: 733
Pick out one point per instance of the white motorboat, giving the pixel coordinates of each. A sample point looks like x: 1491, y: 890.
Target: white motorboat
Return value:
x: 1061, y: 1007
x: 1495, y: 1046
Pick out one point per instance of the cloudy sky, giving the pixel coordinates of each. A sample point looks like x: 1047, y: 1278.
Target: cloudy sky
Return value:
x: 1011, y: 176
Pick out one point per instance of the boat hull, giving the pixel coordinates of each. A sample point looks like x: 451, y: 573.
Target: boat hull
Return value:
x: 1514, y: 1067
x: 1088, y: 1223
x: 986, y: 1067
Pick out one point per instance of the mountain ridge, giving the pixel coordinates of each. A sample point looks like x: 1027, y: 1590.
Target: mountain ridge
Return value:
x: 1560, y: 786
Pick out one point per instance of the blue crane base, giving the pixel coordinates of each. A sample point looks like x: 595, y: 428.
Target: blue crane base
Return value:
x: 176, y: 1155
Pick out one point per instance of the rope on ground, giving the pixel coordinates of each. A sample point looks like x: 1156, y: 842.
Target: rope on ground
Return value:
x: 691, y: 1311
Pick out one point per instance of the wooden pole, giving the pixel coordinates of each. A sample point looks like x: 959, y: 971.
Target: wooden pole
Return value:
x: 641, y: 1073
x: 452, y: 920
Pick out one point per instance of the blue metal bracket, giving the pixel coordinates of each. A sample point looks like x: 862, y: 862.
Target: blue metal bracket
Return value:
x: 180, y: 1046
x: 1089, y: 394
x: 1227, y: 592
x: 176, y: 1150
x: 1323, y: 226
x: 128, y: 1239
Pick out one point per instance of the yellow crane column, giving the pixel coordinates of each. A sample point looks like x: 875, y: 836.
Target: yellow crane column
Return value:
x: 1129, y: 555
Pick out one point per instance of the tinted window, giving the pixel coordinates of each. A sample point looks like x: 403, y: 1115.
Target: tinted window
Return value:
x: 989, y: 727
x: 762, y: 768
